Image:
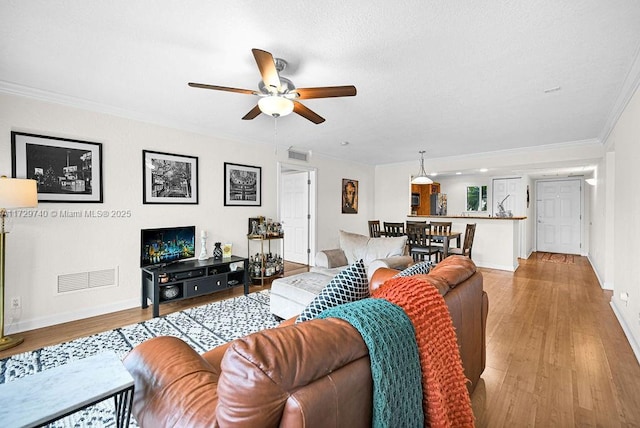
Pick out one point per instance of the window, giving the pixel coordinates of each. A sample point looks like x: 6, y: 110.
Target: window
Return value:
x: 476, y: 198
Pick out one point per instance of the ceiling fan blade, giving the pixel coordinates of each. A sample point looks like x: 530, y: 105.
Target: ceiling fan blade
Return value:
x: 326, y: 92
x: 267, y: 67
x: 252, y: 114
x: 222, y: 88
x: 307, y: 113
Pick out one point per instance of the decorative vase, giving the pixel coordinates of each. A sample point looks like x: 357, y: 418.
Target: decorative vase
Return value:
x: 217, y: 251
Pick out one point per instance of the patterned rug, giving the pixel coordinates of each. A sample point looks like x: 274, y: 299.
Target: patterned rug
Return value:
x: 556, y: 258
x: 202, y: 327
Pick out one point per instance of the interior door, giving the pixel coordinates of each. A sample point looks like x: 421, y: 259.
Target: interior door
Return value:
x: 559, y: 216
x: 507, y: 190
x: 294, y: 212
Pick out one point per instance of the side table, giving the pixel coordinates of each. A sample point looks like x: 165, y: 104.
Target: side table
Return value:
x: 52, y: 394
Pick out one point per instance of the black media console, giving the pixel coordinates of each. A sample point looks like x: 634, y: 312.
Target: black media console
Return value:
x: 192, y: 278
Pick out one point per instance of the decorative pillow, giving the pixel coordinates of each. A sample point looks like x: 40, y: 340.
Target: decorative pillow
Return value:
x: 381, y: 248
x: 347, y: 286
x: 360, y: 247
x: 416, y: 269
x: 353, y: 245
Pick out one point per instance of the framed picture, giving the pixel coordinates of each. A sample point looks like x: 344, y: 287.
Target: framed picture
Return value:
x: 349, y: 196
x: 254, y: 222
x: 242, y: 185
x: 169, y: 178
x: 66, y: 170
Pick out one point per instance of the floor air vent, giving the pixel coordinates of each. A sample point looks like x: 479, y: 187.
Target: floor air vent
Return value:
x: 298, y: 155
x: 85, y: 280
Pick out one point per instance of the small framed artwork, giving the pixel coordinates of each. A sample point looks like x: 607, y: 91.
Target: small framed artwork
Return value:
x: 169, y: 178
x: 242, y: 185
x: 66, y: 170
x: 349, y: 196
x: 254, y: 223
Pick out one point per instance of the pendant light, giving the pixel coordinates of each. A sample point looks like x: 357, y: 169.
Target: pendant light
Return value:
x: 421, y: 178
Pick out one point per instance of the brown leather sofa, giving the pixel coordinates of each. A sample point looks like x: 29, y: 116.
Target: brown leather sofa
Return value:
x: 312, y: 374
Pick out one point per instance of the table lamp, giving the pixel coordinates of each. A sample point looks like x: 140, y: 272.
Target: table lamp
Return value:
x: 14, y: 193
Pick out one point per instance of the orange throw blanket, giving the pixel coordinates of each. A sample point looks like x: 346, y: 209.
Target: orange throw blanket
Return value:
x: 446, y: 401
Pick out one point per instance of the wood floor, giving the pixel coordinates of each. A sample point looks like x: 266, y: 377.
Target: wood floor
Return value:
x: 556, y: 355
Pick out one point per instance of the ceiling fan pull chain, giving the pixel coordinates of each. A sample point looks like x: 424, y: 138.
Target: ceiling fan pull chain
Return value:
x: 275, y: 134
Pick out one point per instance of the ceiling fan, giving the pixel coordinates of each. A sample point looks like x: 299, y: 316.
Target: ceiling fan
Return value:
x: 278, y: 95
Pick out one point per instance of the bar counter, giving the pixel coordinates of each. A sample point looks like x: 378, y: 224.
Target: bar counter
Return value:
x: 498, y: 241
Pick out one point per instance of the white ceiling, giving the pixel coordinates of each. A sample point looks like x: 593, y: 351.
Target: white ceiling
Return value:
x: 450, y: 77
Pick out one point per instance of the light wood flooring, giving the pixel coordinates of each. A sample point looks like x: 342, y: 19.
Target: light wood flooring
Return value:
x: 556, y: 355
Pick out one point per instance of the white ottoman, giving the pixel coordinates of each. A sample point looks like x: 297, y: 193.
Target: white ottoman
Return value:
x: 290, y: 295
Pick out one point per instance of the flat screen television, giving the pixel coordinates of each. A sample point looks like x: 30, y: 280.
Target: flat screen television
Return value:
x: 167, y: 245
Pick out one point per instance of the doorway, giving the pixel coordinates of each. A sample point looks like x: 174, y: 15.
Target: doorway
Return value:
x: 297, y: 211
x: 559, y: 216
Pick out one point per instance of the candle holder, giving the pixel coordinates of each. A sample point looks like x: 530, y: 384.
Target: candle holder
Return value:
x: 203, y: 246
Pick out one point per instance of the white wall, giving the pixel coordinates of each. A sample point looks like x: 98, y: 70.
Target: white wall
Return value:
x: 600, y: 208
x: 39, y: 249
x: 456, y: 189
x: 625, y: 138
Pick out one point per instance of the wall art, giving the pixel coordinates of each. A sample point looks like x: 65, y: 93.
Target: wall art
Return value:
x: 66, y: 170
x: 169, y: 178
x: 242, y: 185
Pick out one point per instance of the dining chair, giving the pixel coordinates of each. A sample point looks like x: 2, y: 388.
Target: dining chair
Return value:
x: 419, y: 241
x: 393, y: 229
x: 413, y: 222
x: 440, y: 227
x: 374, y: 228
x: 467, y: 244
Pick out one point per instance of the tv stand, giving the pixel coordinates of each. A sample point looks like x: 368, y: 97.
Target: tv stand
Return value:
x: 191, y: 278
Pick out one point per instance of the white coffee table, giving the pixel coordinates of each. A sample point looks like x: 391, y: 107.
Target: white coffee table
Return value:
x: 54, y: 393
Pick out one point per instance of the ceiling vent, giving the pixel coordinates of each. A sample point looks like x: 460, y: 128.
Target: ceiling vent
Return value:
x: 301, y: 156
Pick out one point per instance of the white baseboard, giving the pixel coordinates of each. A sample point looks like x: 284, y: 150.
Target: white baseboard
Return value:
x: 47, y: 321
x: 627, y: 331
x: 603, y: 284
x: 496, y: 266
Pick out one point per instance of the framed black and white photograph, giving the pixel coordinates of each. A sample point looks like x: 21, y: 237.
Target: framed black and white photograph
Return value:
x: 66, y: 170
x: 169, y: 178
x: 242, y: 185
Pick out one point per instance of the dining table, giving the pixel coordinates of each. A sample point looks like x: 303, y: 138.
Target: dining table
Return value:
x: 446, y: 239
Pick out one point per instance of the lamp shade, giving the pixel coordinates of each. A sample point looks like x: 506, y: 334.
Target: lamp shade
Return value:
x: 421, y: 179
x: 275, y: 106
x: 18, y: 193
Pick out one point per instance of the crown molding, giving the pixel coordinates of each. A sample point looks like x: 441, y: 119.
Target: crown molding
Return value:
x: 628, y: 89
x: 88, y: 105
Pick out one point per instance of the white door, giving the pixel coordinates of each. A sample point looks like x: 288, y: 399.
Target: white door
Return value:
x: 559, y: 216
x: 507, y: 190
x: 294, y: 214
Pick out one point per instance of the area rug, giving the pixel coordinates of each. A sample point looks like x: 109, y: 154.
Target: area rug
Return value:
x: 202, y: 327
x: 556, y: 258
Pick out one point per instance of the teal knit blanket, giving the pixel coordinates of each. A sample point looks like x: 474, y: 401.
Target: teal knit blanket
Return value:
x: 395, y: 362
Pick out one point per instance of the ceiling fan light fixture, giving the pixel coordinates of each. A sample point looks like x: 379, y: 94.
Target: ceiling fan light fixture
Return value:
x: 275, y: 106
x: 421, y: 178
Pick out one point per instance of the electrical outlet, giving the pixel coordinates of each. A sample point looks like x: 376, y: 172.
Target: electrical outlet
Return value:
x: 16, y: 303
